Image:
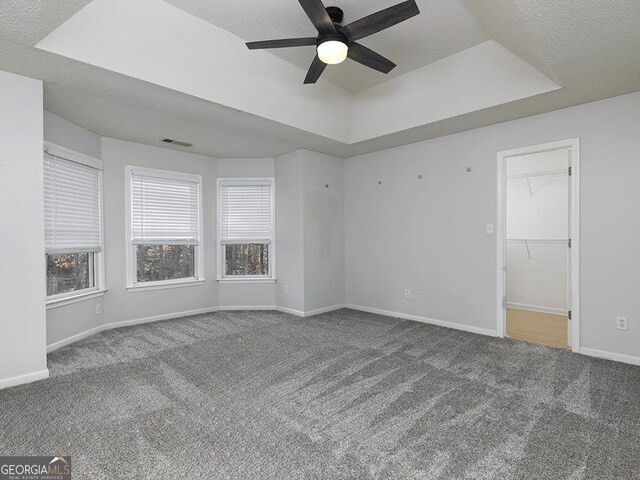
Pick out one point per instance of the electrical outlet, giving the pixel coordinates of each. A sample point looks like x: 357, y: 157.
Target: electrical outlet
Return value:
x: 286, y: 289
x: 622, y: 323
x: 407, y: 293
x: 98, y: 308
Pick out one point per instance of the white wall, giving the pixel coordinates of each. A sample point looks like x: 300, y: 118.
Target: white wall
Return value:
x: 323, y: 231
x: 429, y: 235
x: 478, y: 77
x: 22, y: 285
x: 121, y: 304
x: 539, y: 283
x: 66, y: 321
x: 539, y: 279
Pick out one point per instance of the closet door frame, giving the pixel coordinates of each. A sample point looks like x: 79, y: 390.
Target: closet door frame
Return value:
x: 573, y: 145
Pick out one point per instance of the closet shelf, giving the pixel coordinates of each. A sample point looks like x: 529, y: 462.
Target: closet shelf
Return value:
x: 528, y: 176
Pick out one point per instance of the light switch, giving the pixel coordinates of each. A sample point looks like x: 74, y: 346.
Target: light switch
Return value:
x: 490, y: 228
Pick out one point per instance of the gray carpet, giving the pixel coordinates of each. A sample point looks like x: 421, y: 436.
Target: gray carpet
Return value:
x: 265, y: 395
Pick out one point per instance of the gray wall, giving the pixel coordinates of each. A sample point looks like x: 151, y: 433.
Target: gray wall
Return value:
x: 429, y: 235
x: 310, y: 231
x: 290, y: 230
x: 323, y: 231
x: 246, y: 294
x: 22, y: 275
x: 66, y: 134
x: 120, y: 304
x: 69, y: 320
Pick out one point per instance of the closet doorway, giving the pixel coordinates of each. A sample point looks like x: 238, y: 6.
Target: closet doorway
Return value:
x: 538, y: 244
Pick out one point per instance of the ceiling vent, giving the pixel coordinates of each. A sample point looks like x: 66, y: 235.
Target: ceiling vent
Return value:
x: 177, y: 142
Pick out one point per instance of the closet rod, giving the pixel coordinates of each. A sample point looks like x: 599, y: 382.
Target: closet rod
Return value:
x: 527, y: 241
x: 547, y: 173
x: 540, y: 240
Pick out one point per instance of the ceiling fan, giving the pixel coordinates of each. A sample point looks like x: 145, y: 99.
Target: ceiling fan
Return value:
x: 336, y: 42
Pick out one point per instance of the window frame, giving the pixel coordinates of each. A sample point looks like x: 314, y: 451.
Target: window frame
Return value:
x: 99, y: 283
x: 220, y: 247
x: 198, y: 251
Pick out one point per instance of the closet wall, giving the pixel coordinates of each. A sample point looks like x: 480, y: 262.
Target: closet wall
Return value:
x: 538, y: 231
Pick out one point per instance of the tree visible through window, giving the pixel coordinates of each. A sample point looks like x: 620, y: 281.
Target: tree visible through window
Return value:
x: 164, y: 262
x: 72, y: 224
x: 246, y: 240
x: 247, y: 259
x: 69, y: 272
x: 165, y: 227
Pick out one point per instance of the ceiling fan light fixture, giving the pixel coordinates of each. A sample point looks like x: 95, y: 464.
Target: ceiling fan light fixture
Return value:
x: 332, y: 52
x: 336, y: 42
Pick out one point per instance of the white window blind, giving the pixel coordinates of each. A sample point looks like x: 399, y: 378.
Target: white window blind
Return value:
x: 164, y: 210
x: 245, y: 212
x: 71, y: 206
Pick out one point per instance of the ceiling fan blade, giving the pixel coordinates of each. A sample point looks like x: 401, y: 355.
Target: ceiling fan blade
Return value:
x: 318, y: 15
x: 315, y: 70
x: 381, y: 20
x: 369, y: 58
x: 285, y: 42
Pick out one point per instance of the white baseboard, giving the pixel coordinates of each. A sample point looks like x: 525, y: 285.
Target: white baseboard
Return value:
x: 536, y: 308
x: 310, y: 313
x: 274, y: 308
x: 318, y: 311
x: 157, y: 318
x: 431, y: 321
x: 235, y: 308
x: 74, y: 338
x: 138, y: 321
x: 126, y: 323
x: 297, y: 313
x: 617, y: 357
x: 22, y: 379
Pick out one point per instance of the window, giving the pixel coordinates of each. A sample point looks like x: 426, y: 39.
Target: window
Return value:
x: 72, y: 214
x: 246, y: 249
x: 164, y: 239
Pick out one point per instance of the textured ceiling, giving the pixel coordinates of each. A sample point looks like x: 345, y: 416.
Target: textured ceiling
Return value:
x: 443, y: 28
x: 590, y: 48
x: 117, y: 106
x: 29, y: 21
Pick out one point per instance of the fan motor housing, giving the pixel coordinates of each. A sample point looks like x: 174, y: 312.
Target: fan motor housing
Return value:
x: 326, y: 37
x: 336, y: 14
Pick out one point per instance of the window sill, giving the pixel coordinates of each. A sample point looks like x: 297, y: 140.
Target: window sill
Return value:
x: 246, y: 280
x: 142, y: 287
x: 81, y: 297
